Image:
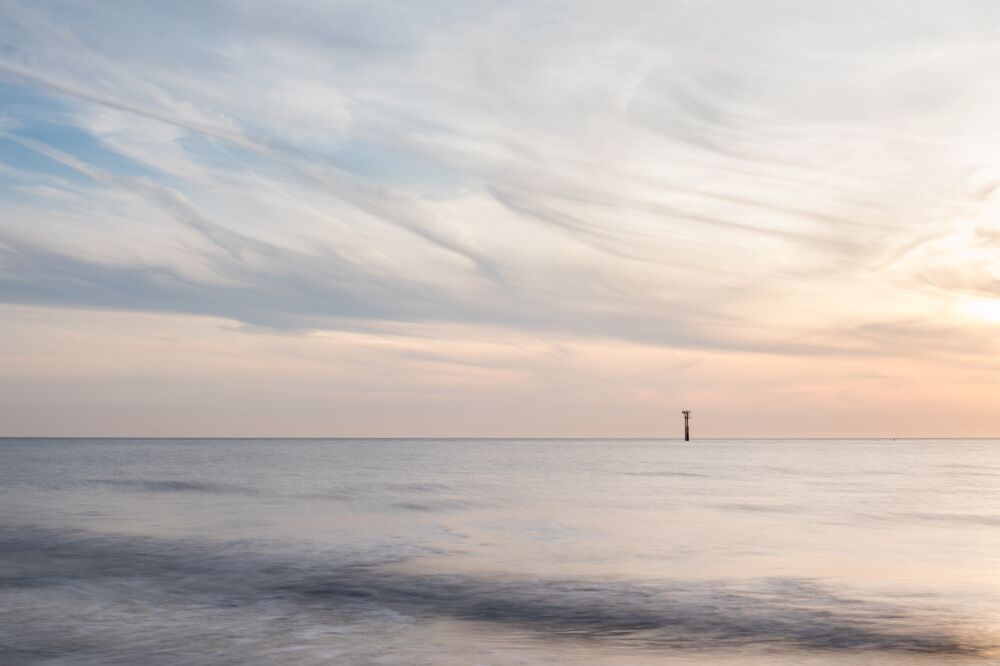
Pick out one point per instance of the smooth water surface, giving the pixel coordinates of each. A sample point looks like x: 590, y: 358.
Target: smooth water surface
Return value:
x: 499, y: 552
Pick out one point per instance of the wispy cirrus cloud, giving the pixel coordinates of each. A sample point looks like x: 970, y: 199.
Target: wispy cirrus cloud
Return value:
x: 772, y: 177
x: 584, y: 166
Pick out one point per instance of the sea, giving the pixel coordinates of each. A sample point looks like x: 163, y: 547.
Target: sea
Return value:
x: 499, y: 551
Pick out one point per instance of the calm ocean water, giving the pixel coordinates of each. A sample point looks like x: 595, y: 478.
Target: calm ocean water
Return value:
x: 499, y: 552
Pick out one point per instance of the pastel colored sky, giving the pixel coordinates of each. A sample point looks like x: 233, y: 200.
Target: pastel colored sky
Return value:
x: 485, y: 218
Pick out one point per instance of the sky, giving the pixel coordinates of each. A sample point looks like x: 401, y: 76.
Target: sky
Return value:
x: 483, y: 218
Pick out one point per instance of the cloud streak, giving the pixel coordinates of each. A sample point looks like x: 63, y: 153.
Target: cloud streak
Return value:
x: 630, y: 159
x: 780, y: 178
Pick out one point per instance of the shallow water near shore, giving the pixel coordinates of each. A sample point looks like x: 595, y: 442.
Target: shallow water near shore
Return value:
x: 253, y: 551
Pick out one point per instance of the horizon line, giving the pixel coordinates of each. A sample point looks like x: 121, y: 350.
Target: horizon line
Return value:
x: 487, y: 437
